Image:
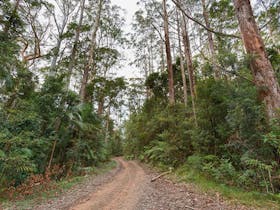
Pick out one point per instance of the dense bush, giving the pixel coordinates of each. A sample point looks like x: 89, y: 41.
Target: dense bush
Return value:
x: 231, y: 143
x: 45, y: 119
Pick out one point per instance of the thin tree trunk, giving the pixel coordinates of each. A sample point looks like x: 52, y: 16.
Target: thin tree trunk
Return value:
x: 152, y: 55
x: 91, y: 53
x: 57, y: 126
x: 107, y: 124
x: 100, y: 108
x: 188, y: 57
x: 168, y: 56
x: 146, y: 72
x: 57, y: 48
x: 217, y: 72
x: 84, y: 83
x: 162, y: 57
x: 55, y: 56
x: 182, y: 62
x: 74, y: 49
x: 263, y: 73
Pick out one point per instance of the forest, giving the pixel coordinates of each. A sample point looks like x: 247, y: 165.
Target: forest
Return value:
x: 192, y: 85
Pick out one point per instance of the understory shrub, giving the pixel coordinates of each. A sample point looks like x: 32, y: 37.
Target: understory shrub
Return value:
x: 232, y: 143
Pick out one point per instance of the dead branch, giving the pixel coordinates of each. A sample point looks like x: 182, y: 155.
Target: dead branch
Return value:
x: 161, y: 175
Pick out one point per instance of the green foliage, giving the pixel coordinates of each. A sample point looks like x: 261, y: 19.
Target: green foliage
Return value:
x: 164, y: 135
x: 116, y: 146
x: 273, y: 137
x: 36, y: 120
x: 226, y: 145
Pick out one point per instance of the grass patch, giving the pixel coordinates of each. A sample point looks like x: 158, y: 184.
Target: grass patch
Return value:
x: 59, y: 188
x: 233, y: 194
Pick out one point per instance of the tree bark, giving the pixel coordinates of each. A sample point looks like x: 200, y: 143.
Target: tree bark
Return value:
x: 262, y: 70
x: 182, y: 61
x: 74, y: 49
x: 162, y: 56
x: 91, y: 53
x: 217, y: 72
x: 168, y: 56
x: 57, y: 126
x: 107, y: 124
x: 66, y: 13
x: 188, y: 57
x: 100, y: 109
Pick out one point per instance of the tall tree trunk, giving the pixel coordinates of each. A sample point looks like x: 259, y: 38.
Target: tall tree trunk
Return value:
x: 188, y: 54
x: 57, y: 47
x: 100, y: 108
x: 217, y: 72
x: 84, y: 84
x: 91, y: 61
x: 74, y: 49
x: 107, y: 124
x: 264, y: 75
x: 168, y: 56
x: 55, y: 56
x: 188, y: 57
x: 182, y: 61
x: 146, y: 72
x: 162, y: 56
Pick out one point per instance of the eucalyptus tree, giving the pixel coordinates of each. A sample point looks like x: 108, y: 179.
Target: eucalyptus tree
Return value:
x: 182, y: 65
x: 148, y: 23
x: 21, y: 36
x: 210, y: 39
x: 108, y: 55
x: 75, y: 44
x: 168, y: 55
x: 35, y: 30
x: 262, y: 70
x: 61, y: 12
x: 267, y: 15
x: 90, y: 66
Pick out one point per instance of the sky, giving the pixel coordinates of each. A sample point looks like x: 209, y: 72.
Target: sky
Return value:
x: 130, y: 7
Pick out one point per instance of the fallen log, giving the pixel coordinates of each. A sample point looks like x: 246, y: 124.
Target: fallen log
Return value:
x: 161, y: 175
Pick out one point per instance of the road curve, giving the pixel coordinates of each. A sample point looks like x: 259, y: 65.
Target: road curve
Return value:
x: 122, y: 193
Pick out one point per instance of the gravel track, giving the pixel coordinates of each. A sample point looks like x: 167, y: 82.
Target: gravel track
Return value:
x: 129, y: 187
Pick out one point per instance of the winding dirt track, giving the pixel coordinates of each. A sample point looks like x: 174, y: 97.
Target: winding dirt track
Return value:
x: 129, y: 187
x: 122, y: 193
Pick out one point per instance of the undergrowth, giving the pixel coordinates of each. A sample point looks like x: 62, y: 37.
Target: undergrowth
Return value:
x: 54, y: 189
x: 234, y: 194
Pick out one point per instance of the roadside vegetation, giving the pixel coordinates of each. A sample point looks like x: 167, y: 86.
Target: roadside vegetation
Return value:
x: 207, y: 102
x: 213, y: 125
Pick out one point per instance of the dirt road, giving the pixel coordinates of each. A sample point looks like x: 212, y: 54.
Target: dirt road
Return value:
x: 123, y: 193
x: 129, y: 187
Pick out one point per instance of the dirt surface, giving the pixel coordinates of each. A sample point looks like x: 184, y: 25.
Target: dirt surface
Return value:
x: 122, y: 193
x: 129, y: 187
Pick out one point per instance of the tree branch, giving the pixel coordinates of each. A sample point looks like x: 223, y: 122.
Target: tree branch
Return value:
x: 201, y: 24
